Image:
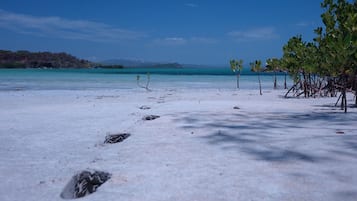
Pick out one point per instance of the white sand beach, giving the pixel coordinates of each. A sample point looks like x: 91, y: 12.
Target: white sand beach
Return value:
x: 200, y: 148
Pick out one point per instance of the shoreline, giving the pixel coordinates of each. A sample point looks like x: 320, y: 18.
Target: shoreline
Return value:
x: 200, y: 148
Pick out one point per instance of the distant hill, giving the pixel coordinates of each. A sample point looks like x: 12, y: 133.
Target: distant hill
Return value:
x: 140, y: 64
x: 26, y: 59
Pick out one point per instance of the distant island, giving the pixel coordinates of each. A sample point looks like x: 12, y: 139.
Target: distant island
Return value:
x: 127, y: 63
x: 27, y: 59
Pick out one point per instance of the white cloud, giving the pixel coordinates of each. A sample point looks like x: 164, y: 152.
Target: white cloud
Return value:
x: 305, y: 24
x: 264, y: 33
x: 203, y: 40
x: 179, y: 41
x: 192, y: 5
x: 175, y: 41
x: 64, y: 28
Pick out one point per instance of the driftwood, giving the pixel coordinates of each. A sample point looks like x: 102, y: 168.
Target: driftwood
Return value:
x: 147, y: 82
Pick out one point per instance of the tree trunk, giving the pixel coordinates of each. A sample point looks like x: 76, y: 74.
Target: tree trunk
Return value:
x: 305, y: 85
x: 292, y: 88
x: 308, y: 84
x: 260, y: 85
x: 238, y: 75
x: 344, y: 91
x: 338, y: 100
x: 344, y: 100
x: 355, y: 89
x: 333, y: 88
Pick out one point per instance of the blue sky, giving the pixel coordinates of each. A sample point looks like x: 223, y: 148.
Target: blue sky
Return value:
x: 192, y: 32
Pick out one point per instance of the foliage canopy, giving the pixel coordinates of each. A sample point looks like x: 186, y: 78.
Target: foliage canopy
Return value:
x: 329, y: 62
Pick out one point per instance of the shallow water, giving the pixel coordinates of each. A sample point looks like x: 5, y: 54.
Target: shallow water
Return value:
x: 90, y: 79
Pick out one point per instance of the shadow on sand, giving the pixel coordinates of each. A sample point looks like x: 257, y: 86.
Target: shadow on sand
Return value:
x: 320, y: 145
x: 280, y: 137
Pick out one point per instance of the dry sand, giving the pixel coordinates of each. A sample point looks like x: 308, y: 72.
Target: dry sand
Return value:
x: 199, y: 149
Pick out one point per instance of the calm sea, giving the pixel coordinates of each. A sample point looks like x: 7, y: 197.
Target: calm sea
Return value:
x: 93, y: 79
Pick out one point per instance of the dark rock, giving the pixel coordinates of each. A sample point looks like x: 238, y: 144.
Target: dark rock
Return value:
x: 150, y: 117
x: 84, y: 183
x: 236, y: 107
x: 115, y: 138
x: 144, y: 107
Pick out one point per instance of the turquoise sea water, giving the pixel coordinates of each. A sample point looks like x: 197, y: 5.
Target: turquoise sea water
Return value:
x: 89, y: 79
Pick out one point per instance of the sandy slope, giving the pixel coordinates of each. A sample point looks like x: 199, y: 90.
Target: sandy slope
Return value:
x: 199, y: 149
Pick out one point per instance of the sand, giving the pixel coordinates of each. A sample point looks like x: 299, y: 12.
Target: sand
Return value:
x: 200, y: 148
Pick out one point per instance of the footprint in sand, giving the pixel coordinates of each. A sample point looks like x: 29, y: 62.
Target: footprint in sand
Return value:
x: 84, y: 183
x: 115, y: 138
x: 150, y: 117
